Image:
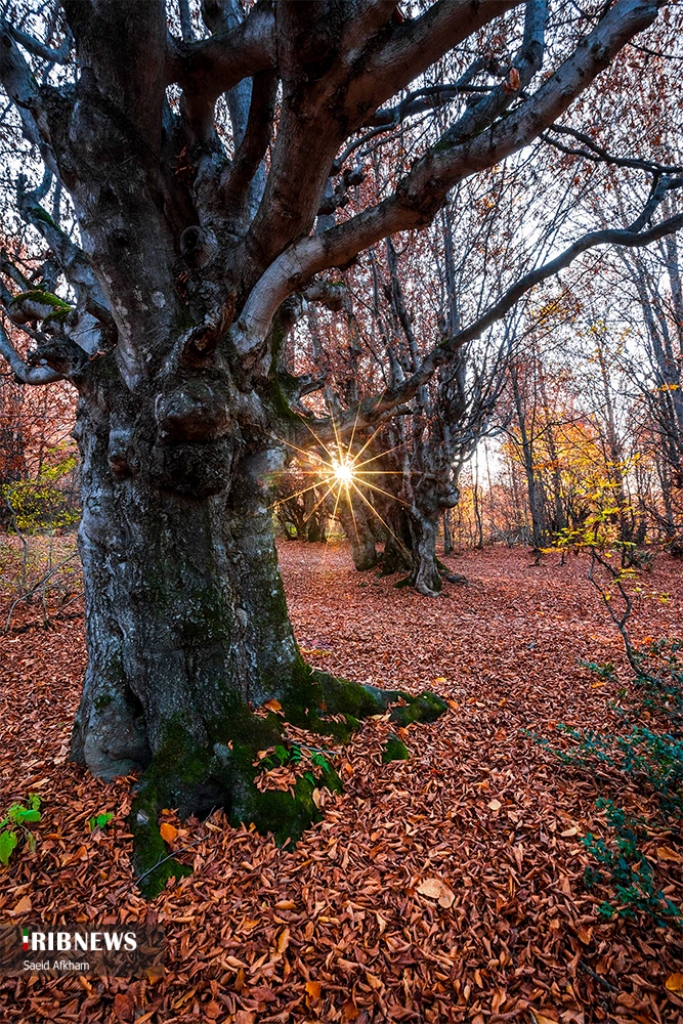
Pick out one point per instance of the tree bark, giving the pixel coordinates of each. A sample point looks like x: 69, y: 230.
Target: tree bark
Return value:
x: 356, y: 526
x: 180, y: 585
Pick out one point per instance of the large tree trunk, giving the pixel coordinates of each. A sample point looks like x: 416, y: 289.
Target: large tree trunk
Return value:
x: 181, y: 587
x: 187, y: 624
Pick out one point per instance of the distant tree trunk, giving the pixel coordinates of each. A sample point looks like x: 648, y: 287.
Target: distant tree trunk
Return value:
x: 476, y: 505
x: 615, y: 453
x: 314, y: 519
x: 359, y: 533
x: 447, y: 533
x: 535, y: 488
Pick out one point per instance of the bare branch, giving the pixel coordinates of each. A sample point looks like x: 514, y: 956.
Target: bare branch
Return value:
x: 372, y: 410
x: 237, y: 179
x: 124, y: 46
x: 22, y: 89
x: 23, y: 372
x: 421, y: 192
x: 414, y: 46
x: 42, y: 50
x: 600, y: 155
x: 209, y: 67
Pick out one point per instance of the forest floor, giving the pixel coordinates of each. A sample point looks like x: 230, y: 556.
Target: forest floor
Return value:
x: 449, y: 887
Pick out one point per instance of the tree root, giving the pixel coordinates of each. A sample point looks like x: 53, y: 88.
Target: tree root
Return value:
x: 198, y: 777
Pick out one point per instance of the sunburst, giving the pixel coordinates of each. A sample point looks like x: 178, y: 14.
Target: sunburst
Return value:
x: 343, y: 473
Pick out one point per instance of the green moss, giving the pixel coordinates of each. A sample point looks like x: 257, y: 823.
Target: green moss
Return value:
x: 57, y: 316
x: 103, y: 701
x: 43, y: 298
x: 180, y: 759
x: 313, y: 696
x: 425, y: 708
x: 150, y: 854
x: 286, y: 816
x: 394, y: 750
x: 38, y: 213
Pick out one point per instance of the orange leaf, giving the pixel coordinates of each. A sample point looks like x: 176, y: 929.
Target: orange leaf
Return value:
x: 666, y: 853
x: 274, y: 705
x: 674, y: 983
x: 314, y: 990
x: 350, y: 1010
x: 168, y: 832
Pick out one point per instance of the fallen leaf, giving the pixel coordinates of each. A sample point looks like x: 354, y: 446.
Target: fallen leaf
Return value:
x: 124, y: 1007
x: 168, y: 832
x: 495, y: 805
x: 437, y: 890
x: 666, y: 853
x: 674, y: 983
x: 350, y: 1010
x: 313, y: 990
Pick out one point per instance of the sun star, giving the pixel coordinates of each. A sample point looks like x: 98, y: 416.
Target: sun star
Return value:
x: 343, y: 472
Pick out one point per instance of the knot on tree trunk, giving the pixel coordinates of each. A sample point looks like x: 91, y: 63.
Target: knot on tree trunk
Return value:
x: 196, y: 410
x: 198, y: 246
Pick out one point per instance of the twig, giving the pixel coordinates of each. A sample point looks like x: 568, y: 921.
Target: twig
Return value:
x: 32, y: 591
x: 174, y: 854
x: 602, y: 981
x: 171, y: 856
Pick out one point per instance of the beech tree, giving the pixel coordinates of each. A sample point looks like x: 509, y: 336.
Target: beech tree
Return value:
x: 208, y: 179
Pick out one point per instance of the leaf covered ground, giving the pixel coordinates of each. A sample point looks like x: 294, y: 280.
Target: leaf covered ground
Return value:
x: 449, y: 887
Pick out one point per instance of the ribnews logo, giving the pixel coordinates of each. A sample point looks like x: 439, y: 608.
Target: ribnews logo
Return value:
x: 127, y: 951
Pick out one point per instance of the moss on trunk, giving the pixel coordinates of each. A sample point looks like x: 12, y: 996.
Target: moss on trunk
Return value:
x: 200, y: 776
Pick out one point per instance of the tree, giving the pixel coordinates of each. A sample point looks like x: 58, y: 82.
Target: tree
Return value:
x: 168, y: 306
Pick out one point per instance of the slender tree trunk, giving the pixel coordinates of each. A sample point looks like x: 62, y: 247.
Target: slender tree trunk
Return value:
x: 535, y: 488
x: 447, y: 533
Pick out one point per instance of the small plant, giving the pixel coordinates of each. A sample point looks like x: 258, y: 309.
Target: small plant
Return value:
x: 602, y: 671
x: 14, y: 824
x: 623, y: 867
x: 100, y: 821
